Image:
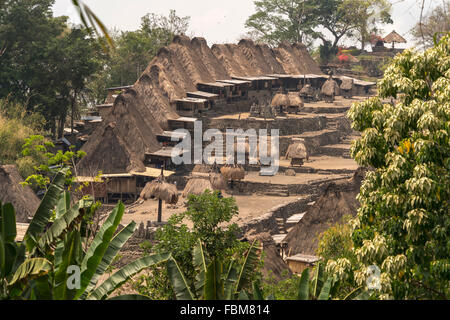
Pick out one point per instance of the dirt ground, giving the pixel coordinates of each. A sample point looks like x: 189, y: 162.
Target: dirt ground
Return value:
x: 249, y: 207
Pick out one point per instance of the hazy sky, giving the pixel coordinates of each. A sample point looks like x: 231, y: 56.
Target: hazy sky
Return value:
x: 218, y: 21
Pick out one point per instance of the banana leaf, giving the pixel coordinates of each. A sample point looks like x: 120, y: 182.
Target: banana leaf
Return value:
x: 200, y: 263
x: 44, y: 211
x: 246, y: 273
x: 61, y: 224
x: 325, y: 292
x: 257, y: 293
x: 63, y: 204
x: 31, y: 268
x: 98, y: 248
x: 69, y: 257
x: 303, y: 289
x: 7, y: 223
x: 113, y: 249
x: 213, y: 289
x: 122, y: 275
x: 318, y: 280
x: 130, y: 297
x: 179, y: 283
x: 230, y: 281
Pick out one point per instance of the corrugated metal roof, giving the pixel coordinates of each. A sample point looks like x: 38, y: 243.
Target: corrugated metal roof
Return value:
x: 303, y: 258
x: 152, y: 172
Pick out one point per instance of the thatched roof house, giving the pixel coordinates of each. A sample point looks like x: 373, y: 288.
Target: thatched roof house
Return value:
x: 142, y: 111
x: 23, y: 199
x: 218, y: 181
x: 336, y: 201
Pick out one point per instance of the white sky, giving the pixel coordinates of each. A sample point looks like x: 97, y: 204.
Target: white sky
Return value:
x: 219, y: 21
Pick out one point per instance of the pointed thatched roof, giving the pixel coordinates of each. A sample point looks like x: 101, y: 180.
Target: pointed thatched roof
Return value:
x: 297, y: 150
x: 110, y: 154
x: 160, y: 189
x: 394, y: 37
x: 23, y: 199
x: 143, y: 111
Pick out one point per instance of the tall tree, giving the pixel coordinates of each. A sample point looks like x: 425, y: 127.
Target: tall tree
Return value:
x: 45, y: 63
x: 279, y: 20
x: 437, y: 22
x: 402, y: 227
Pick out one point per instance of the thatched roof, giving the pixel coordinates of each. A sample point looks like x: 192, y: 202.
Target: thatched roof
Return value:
x: 330, y: 87
x: 144, y: 109
x: 394, y: 37
x: 218, y: 181
x: 110, y: 154
x: 347, y: 84
x: 336, y: 201
x: 160, y: 189
x: 233, y: 172
x: 280, y: 99
x: 297, y: 150
x: 23, y: 199
x: 307, y: 90
x: 203, y: 168
x: 197, y: 186
x: 295, y: 100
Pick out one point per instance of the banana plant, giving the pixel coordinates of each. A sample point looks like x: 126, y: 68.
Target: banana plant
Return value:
x: 38, y: 267
x: 214, y: 280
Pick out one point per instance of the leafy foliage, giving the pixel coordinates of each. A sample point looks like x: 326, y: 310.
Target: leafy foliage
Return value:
x: 403, y: 223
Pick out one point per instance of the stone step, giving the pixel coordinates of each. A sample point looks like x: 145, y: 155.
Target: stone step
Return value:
x: 335, y: 150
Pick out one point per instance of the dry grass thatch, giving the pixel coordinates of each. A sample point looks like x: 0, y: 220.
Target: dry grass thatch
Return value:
x: 297, y: 150
x: 307, y: 90
x: 233, y: 172
x: 280, y: 99
x: 23, y: 199
x: 347, y: 84
x: 197, y: 186
x: 160, y: 190
x: 203, y: 168
x: 218, y: 181
x: 330, y: 87
x: 295, y: 100
x: 394, y: 37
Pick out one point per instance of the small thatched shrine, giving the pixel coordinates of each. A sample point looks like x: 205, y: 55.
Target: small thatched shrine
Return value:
x: 394, y: 37
x: 197, y: 186
x: 160, y: 190
x: 347, y: 87
x: 307, y: 93
x: 297, y: 152
x: 233, y: 172
x: 23, y: 199
x: 330, y: 89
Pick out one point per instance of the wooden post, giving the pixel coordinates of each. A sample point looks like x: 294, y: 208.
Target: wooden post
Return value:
x: 159, y: 200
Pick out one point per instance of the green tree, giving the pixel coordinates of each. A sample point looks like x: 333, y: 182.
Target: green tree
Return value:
x: 44, y: 63
x: 402, y: 226
x: 208, y: 214
x: 280, y: 20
